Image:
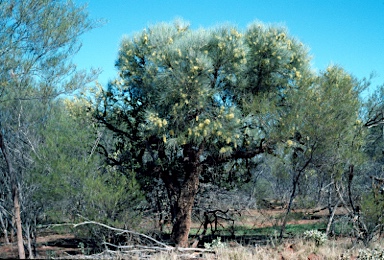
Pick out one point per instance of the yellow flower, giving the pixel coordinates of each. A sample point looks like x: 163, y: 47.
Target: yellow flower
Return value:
x: 164, y: 139
x: 207, y: 121
x: 230, y: 116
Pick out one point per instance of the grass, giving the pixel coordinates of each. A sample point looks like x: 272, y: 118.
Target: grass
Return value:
x: 294, y: 249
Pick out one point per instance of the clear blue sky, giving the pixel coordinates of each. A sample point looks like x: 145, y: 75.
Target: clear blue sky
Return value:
x: 347, y: 33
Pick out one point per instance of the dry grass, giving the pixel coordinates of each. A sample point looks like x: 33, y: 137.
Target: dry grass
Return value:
x: 294, y: 250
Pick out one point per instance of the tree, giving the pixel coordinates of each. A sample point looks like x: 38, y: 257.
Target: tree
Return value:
x: 74, y: 177
x: 188, y: 101
x: 321, y: 131
x: 38, y: 39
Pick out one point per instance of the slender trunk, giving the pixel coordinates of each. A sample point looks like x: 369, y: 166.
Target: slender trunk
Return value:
x: 29, y: 242
x: 19, y: 230
x: 331, y: 217
x: 285, y: 219
x: 295, y: 183
x: 350, y: 178
x: 192, y: 168
x: 15, y: 198
x: 12, y: 229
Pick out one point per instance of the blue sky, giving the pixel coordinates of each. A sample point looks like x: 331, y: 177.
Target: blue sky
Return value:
x: 346, y: 33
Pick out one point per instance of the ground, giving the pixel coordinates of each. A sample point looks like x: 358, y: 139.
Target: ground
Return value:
x: 50, y: 245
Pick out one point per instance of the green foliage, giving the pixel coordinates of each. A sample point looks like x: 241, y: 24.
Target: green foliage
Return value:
x: 111, y: 198
x: 71, y: 174
x: 63, y: 162
x: 372, y: 207
x: 193, y: 84
x: 372, y: 215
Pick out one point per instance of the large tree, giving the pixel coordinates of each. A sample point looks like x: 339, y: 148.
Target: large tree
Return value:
x: 37, y: 40
x: 188, y: 101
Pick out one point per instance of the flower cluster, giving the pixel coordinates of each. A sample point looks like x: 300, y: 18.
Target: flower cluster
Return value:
x: 156, y: 120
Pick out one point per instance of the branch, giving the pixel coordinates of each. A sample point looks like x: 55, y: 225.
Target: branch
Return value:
x: 122, y: 232
x: 155, y: 248
x: 240, y: 154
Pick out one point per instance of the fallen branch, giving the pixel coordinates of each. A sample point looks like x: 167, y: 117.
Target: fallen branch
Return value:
x: 123, y: 231
x: 127, y: 249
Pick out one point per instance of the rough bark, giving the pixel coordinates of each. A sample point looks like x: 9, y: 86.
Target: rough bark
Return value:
x: 192, y: 168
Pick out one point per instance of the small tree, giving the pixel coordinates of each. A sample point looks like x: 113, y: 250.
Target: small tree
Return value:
x: 322, y: 130
x: 37, y: 39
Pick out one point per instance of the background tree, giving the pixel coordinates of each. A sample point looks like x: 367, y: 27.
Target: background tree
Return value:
x: 38, y: 39
x: 320, y: 131
x: 74, y: 177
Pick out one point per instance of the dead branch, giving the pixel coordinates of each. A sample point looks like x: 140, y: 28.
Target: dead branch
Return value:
x: 132, y: 251
x: 122, y: 231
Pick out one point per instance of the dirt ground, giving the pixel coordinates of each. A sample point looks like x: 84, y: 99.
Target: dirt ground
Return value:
x: 48, y: 246
x: 55, y: 245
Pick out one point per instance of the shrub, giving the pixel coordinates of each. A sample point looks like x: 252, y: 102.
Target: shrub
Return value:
x: 216, y: 243
x: 314, y: 235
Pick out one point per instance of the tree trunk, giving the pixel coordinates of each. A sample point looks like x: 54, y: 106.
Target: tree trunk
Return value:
x: 19, y: 230
x: 29, y: 241
x: 331, y: 217
x: 15, y: 198
x: 188, y: 190
x: 293, y: 193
